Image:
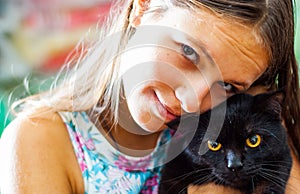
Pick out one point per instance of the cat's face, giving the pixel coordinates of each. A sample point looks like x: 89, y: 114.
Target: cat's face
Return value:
x: 246, y: 147
x: 249, y: 146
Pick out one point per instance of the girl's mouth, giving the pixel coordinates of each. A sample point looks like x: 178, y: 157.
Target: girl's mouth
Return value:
x: 164, y: 110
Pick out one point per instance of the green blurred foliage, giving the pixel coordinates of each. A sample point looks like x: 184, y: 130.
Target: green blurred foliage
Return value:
x: 13, y: 90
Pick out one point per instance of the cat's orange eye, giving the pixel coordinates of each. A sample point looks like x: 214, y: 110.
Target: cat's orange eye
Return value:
x: 253, y: 141
x: 214, y: 146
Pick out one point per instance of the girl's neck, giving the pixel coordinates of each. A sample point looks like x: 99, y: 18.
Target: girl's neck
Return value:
x: 126, y: 136
x: 132, y: 144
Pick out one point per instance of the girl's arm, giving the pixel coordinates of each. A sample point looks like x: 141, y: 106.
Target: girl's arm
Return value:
x: 36, y: 156
x: 293, y: 185
x: 212, y: 188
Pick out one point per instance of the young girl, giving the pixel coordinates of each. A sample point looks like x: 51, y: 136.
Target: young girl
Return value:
x: 101, y: 129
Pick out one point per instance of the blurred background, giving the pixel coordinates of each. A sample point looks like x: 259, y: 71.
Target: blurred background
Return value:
x: 36, y: 36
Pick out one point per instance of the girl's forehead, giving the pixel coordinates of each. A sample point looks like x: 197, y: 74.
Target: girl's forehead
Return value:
x: 216, y: 32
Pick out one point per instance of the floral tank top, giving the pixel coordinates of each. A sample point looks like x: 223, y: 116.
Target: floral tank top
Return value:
x: 104, y: 168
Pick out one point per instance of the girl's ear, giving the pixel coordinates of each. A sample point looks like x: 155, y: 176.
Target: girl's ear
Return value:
x: 139, y: 7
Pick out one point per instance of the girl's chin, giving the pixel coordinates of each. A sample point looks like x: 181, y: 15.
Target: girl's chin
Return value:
x: 153, y: 116
x: 153, y: 127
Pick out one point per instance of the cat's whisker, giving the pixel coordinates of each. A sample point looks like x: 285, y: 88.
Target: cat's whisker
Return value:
x: 183, y: 189
x: 275, y: 179
x: 181, y: 177
x: 176, y: 180
x: 253, y: 183
x: 270, y: 179
x: 274, y: 171
x: 220, y: 181
x: 270, y: 165
x: 275, y: 162
x: 198, y: 182
x: 289, y: 186
x: 203, y: 179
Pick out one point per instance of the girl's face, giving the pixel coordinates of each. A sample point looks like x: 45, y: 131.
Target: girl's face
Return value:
x: 183, y: 62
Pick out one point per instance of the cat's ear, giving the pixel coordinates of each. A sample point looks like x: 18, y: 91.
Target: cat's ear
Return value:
x: 271, y: 102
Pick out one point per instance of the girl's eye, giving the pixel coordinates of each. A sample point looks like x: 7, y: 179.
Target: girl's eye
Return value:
x: 226, y: 86
x: 214, y: 146
x: 253, y: 141
x: 190, y: 53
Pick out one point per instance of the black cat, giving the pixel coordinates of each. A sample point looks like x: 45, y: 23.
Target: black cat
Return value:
x: 246, y: 149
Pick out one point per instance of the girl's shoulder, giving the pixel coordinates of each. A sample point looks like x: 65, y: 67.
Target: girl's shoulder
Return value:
x: 35, y: 130
x: 38, y: 146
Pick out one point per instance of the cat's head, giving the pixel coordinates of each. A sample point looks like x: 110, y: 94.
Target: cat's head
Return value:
x: 250, y: 143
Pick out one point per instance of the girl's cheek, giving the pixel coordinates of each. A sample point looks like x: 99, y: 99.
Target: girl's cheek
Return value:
x: 143, y: 109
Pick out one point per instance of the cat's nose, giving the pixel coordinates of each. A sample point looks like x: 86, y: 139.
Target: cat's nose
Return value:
x: 233, y: 161
x: 234, y: 165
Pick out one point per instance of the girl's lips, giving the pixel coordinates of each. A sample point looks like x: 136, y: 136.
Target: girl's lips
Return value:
x: 164, y: 110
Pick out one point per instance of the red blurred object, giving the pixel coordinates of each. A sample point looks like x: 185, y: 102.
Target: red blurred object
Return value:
x: 67, y: 19
x: 54, y: 62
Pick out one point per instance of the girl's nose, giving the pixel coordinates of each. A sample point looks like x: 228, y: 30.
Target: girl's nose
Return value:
x: 191, y: 95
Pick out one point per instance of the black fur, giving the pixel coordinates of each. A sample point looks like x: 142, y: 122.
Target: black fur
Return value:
x: 264, y: 169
